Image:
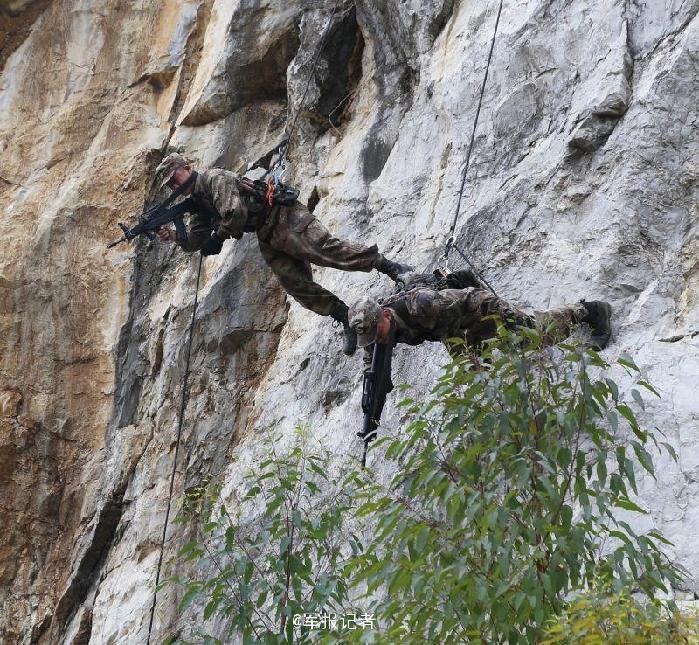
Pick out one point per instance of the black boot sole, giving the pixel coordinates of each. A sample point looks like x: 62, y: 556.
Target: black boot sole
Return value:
x: 600, y: 341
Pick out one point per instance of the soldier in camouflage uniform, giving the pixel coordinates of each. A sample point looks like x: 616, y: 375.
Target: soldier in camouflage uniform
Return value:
x: 290, y: 237
x: 429, y: 314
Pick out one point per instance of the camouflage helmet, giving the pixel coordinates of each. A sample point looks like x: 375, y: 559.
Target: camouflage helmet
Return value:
x: 168, y: 166
x: 364, y: 316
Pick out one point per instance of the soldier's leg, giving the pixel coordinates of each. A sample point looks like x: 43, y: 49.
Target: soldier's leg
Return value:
x: 553, y: 324
x: 478, y: 312
x: 559, y: 323
x: 301, y: 235
x: 296, y: 277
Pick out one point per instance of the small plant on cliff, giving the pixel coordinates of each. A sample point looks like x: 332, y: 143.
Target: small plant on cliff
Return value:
x: 508, y: 488
x: 278, y: 555
x: 616, y: 618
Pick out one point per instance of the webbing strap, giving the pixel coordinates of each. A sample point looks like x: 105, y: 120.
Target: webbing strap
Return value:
x: 450, y: 241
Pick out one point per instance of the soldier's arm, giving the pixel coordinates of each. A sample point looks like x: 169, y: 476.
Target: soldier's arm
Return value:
x: 226, y: 198
x: 199, y: 231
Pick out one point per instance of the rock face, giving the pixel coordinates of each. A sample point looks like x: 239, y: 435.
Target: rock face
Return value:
x: 582, y: 183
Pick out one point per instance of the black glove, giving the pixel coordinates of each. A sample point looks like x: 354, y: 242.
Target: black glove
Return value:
x: 212, y: 246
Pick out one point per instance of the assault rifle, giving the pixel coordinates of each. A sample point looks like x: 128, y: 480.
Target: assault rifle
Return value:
x: 377, y: 384
x: 161, y: 214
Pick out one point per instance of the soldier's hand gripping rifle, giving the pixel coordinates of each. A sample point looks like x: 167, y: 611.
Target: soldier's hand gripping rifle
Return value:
x: 377, y: 384
x: 159, y: 215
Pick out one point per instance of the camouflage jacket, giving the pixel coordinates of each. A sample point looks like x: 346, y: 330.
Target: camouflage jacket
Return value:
x: 434, y: 307
x: 422, y: 314
x: 220, y: 208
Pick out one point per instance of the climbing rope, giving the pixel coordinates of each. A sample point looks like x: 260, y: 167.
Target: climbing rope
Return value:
x: 180, y: 422
x: 450, y: 241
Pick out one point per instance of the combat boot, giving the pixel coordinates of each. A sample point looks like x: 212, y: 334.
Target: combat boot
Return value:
x: 393, y: 270
x: 599, y: 318
x: 339, y: 314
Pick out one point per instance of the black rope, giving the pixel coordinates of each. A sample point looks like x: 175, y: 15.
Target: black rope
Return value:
x: 450, y: 241
x: 180, y: 422
x: 470, y: 264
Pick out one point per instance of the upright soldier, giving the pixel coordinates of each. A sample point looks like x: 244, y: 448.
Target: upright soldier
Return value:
x: 429, y: 314
x: 290, y: 237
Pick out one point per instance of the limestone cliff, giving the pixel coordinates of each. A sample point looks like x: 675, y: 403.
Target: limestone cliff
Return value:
x: 582, y: 184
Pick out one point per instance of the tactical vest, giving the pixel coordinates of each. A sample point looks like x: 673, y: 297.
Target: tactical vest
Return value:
x: 258, y: 199
x: 261, y: 198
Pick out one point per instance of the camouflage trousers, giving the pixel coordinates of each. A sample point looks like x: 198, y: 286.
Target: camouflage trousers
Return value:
x: 480, y: 312
x: 294, y: 240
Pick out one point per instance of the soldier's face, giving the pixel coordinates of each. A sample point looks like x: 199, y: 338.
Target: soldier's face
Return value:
x: 383, y: 328
x: 180, y: 176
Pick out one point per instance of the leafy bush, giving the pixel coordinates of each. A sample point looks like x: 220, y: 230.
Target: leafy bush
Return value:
x: 508, y: 482
x: 602, y: 617
x: 506, y: 498
x: 280, y: 554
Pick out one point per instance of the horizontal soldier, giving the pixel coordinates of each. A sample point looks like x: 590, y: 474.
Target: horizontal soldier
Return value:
x: 290, y: 237
x: 427, y: 314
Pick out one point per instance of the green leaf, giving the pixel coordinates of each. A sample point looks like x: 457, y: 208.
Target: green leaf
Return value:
x: 211, y: 607
x: 638, y: 398
x: 193, y: 590
x: 628, y: 362
x: 628, y: 414
x: 644, y: 458
x: 648, y: 387
x: 627, y: 504
x: 670, y: 449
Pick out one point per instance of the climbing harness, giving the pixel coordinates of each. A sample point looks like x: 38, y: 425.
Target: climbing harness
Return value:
x: 180, y: 422
x: 451, y: 240
x: 268, y: 192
